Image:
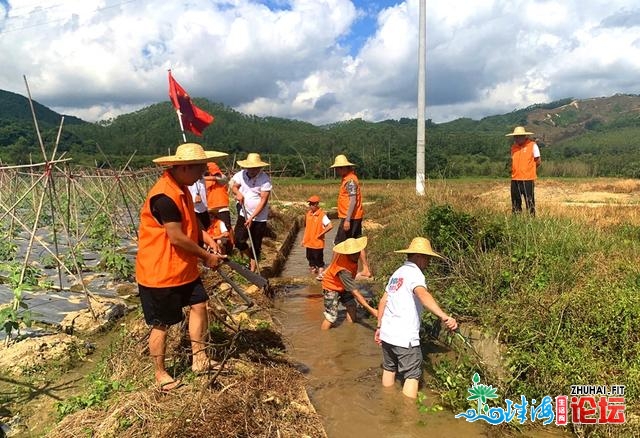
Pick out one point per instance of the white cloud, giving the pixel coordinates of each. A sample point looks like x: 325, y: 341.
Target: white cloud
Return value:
x: 99, y: 58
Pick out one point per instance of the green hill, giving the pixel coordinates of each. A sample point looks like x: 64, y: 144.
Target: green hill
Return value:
x: 587, y: 137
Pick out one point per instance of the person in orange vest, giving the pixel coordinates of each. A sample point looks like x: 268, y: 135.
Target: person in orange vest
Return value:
x: 219, y: 232
x: 217, y: 189
x: 167, y: 270
x: 525, y: 159
x: 350, y: 211
x: 338, y: 283
x: 317, y: 224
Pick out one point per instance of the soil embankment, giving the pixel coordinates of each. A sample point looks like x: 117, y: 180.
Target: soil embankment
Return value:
x: 255, y: 390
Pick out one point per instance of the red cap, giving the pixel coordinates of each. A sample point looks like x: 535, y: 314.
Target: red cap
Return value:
x: 314, y: 199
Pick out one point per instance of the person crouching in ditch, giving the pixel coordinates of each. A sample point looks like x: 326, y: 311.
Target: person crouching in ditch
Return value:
x: 167, y: 262
x: 338, y: 283
x: 399, y: 312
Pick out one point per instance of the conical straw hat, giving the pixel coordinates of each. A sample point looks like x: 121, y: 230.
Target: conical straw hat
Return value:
x: 253, y: 160
x: 189, y: 153
x: 341, y: 161
x: 351, y: 246
x: 519, y: 130
x: 420, y: 245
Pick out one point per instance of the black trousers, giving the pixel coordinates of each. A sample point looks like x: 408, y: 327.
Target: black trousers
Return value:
x: 520, y: 189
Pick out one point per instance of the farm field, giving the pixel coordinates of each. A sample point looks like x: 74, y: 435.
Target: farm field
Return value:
x: 582, y: 272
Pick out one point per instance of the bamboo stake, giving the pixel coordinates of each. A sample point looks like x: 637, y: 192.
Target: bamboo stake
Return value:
x: 51, y: 189
x: 31, y: 237
x: 20, y: 199
x: 119, y: 182
x: 21, y: 166
x: 33, y: 198
x: 35, y: 120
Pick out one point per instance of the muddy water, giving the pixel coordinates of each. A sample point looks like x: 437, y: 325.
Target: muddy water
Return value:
x: 343, y: 370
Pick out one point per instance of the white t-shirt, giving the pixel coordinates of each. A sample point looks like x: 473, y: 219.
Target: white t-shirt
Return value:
x: 198, y: 188
x: 536, y: 150
x: 401, y: 317
x: 251, y: 188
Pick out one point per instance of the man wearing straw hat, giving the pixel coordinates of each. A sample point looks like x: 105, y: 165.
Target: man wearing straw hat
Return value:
x: 525, y: 159
x: 338, y: 283
x: 251, y: 187
x: 399, y: 311
x: 167, y: 262
x: 350, y: 210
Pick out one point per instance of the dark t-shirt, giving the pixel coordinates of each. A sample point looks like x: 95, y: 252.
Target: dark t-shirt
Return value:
x: 164, y: 209
x: 347, y: 280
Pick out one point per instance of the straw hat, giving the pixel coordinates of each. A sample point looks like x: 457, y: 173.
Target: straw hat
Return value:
x: 420, y: 245
x: 341, y: 161
x: 189, y: 153
x: 519, y: 130
x: 314, y: 199
x: 351, y: 246
x: 253, y: 160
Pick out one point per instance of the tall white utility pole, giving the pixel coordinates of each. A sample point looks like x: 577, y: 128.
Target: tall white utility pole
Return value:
x: 420, y: 159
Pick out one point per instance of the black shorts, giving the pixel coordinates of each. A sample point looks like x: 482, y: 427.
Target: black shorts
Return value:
x: 315, y: 257
x: 355, y: 231
x: 241, y: 235
x: 163, y: 305
x: 406, y: 361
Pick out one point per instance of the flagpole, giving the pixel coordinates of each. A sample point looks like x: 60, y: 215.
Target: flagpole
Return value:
x: 184, y: 137
x: 420, y: 137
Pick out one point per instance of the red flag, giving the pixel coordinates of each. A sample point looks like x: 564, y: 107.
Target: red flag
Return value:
x: 194, y: 119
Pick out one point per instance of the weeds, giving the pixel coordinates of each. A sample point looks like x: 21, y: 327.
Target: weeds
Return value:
x: 101, y: 390
x: 116, y: 263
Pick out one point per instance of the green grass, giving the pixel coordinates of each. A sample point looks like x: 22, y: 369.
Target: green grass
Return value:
x: 562, y: 295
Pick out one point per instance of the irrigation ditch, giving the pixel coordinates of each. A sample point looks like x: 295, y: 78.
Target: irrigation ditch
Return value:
x: 74, y: 361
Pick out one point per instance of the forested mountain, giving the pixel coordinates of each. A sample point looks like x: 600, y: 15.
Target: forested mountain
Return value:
x: 578, y: 138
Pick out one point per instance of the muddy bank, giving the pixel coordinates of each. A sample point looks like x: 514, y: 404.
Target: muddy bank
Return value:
x: 255, y: 390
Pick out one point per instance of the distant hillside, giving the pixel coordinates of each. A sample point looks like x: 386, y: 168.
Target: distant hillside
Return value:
x: 587, y: 137
x: 14, y: 107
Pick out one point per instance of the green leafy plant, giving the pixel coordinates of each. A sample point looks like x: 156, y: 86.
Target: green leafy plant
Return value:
x: 8, y: 249
x: 116, y: 263
x: 15, y: 314
x: 101, y: 232
x: 49, y: 262
x: 423, y: 408
x: 101, y: 390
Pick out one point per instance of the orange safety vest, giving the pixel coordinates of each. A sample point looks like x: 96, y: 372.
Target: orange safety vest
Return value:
x: 523, y: 165
x: 343, y: 198
x: 313, y: 227
x: 159, y: 263
x: 217, y: 194
x: 215, y: 230
x: 330, y: 279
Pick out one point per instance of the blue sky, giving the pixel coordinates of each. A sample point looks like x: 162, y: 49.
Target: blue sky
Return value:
x: 318, y: 60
